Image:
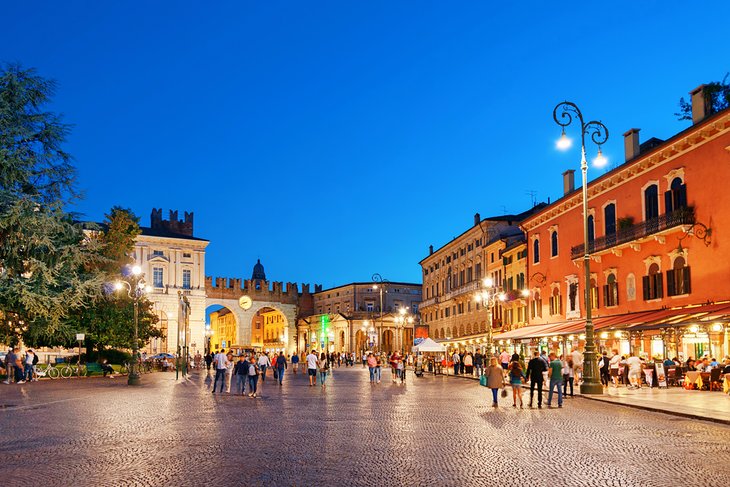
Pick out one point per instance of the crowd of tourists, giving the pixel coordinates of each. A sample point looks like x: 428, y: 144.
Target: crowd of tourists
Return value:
x: 20, y: 366
x: 397, y: 362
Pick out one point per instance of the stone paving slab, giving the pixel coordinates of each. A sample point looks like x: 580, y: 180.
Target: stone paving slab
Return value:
x: 429, y: 431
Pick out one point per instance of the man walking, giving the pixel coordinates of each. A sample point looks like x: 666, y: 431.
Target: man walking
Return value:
x: 208, y: 360
x: 535, y: 369
x: 478, y: 363
x: 555, y: 372
x: 220, y: 362
x: 264, y: 363
x: 295, y: 362
x: 30, y: 361
x: 504, y: 359
x: 240, y: 371
x: 312, y: 367
x: 577, y: 357
x: 280, y: 366
x: 456, y: 358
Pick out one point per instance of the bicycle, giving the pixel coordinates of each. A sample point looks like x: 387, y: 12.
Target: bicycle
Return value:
x: 48, y: 370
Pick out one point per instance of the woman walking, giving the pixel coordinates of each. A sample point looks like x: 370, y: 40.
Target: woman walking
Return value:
x: 322, y: 364
x: 253, y: 377
x: 469, y: 364
x: 495, y: 379
x: 568, y: 375
x: 516, y: 375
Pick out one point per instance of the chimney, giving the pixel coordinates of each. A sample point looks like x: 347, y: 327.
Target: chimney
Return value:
x: 430, y: 249
x: 568, y: 182
x: 631, y: 144
x: 699, y: 104
x: 477, y: 219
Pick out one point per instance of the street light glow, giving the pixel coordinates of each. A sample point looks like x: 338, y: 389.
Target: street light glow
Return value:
x: 118, y: 286
x: 564, y: 142
x: 525, y: 293
x: 488, y: 282
x: 600, y: 160
x: 136, y: 270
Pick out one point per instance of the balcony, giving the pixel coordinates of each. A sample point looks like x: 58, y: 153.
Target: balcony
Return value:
x: 466, y: 288
x: 684, y: 216
x: 428, y: 302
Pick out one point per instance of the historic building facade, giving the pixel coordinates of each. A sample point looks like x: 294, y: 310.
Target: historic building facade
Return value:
x: 658, y: 253
x: 350, y: 318
x: 173, y: 264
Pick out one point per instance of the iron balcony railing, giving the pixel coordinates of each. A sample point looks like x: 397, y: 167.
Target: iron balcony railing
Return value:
x: 472, y: 286
x: 683, y: 216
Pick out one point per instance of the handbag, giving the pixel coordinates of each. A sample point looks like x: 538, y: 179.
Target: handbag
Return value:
x: 504, y: 392
x: 483, y: 380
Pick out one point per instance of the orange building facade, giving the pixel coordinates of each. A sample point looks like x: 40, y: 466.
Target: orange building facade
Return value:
x: 659, y: 251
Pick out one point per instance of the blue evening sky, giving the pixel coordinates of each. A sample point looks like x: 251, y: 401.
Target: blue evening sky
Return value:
x: 336, y: 139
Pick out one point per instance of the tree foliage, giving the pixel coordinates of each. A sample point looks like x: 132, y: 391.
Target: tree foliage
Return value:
x: 717, y: 98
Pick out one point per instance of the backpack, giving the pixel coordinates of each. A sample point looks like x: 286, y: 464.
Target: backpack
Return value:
x: 35, y: 359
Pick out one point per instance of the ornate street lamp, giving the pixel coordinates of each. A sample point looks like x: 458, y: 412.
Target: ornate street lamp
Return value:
x: 136, y: 288
x: 403, y: 318
x: 564, y: 114
x: 488, y: 298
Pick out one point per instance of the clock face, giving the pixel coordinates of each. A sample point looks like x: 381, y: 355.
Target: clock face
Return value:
x: 245, y: 302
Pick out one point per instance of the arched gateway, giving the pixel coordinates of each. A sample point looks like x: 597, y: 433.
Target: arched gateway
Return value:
x: 254, y: 300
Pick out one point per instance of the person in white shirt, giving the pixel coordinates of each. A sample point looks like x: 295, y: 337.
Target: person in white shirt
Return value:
x: 634, y: 365
x: 229, y: 371
x: 614, y: 366
x: 264, y: 363
x: 312, y: 367
x: 577, y: 357
x: 221, y: 366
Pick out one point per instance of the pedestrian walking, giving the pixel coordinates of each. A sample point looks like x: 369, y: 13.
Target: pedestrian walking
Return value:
x: 378, y: 367
x: 394, y: 366
x: 30, y: 360
x: 603, y: 365
x: 568, y: 376
x: 253, y: 378
x: 479, y: 363
x: 264, y: 363
x: 495, y: 379
x: 240, y: 372
x: 614, y: 365
x: 372, y: 363
x: 312, y: 367
x: 634, y: 365
x: 280, y: 367
x: 516, y: 376
x: 504, y: 359
x: 18, y: 367
x: 555, y: 373
x: 535, y: 369
x: 577, y: 358
x: 229, y: 371
x: 456, y: 359
x: 295, y: 362
x: 323, y: 366
x: 208, y: 360
x: 469, y: 364
x: 221, y: 366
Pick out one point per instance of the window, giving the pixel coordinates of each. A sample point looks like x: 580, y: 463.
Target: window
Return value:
x: 159, y: 253
x: 478, y: 271
x: 678, y: 280
x: 187, y: 255
x: 369, y: 306
x: 157, y: 277
x: 653, y: 283
x: 554, y: 243
x: 537, y: 305
x: 675, y: 199
x: 610, y: 291
x: 186, y: 278
x: 651, y: 202
x: 609, y: 216
x: 536, y: 251
x: 556, y: 303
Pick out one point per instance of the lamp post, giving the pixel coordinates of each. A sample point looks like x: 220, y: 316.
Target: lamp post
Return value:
x: 380, y: 284
x: 488, y: 298
x: 135, y: 290
x: 403, y: 318
x: 564, y: 114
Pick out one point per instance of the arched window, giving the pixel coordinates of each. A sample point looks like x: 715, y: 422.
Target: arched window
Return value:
x: 554, y: 243
x: 556, y: 303
x: 676, y: 197
x: 448, y: 332
x: 651, y: 202
x: 609, y: 216
x: 537, y: 305
x: 678, y: 278
x: 468, y: 329
x: 610, y: 291
x: 461, y: 331
x: 653, y: 283
x: 536, y: 251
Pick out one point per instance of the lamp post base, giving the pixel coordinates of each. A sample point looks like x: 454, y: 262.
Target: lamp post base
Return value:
x: 133, y: 379
x: 589, y: 388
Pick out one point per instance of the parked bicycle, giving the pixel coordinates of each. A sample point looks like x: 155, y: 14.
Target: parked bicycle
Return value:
x: 47, y: 370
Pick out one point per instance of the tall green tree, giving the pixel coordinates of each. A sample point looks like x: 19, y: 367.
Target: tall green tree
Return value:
x: 46, y: 263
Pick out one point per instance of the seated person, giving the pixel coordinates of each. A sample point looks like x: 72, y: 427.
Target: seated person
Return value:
x: 668, y: 362
x: 691, y: 365
x: 107, y: 369
x: 165, y: 364
x: 726, y: 369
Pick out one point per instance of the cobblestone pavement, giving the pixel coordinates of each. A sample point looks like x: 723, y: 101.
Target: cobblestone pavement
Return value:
x: 430, y: 431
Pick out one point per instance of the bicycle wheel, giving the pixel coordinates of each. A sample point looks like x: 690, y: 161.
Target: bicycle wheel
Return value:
x: 66, y: 372
x: 52, y: 372
x: 82, y: 370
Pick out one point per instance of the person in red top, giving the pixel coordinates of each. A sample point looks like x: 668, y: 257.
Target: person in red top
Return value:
x: 394, y: 365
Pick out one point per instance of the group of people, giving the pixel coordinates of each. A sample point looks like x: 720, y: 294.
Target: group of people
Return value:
x: 561, y: 372
x: 397, y: 362
x: 20, y: 366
